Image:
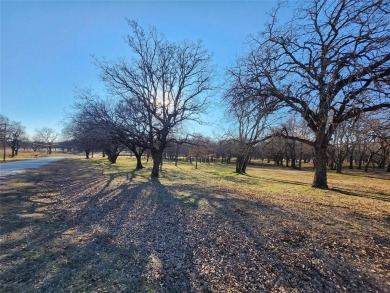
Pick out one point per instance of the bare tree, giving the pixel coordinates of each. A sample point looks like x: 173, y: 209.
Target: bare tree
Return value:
x: 94, y: 124
x: 294, y: 149
x: 200, y: 149
x: 165, y: 83
x: 374, y: 140
x: 330, y: 63
x: 343, y: 143
x: 82, y: 135
x: 249, y: 111
x: 251, y: 118
x: 131, y: 130
x: 45, y: 137
x: 12, y: 132
x: 224, y: 150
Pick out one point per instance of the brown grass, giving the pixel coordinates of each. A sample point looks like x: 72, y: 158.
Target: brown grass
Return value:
x: 25, y: 154
x: 88, y: 226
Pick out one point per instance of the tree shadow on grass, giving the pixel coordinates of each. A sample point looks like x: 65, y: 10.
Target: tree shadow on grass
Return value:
x: 94, y: 235
x: 259, y: 246
x: 292, y: 182
x: 377, y: 196
x: 42, y: 247
x: 100, y: 233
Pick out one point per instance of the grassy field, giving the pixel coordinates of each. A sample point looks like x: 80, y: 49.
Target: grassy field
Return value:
x: 29, y: 154
x: 88, y: 226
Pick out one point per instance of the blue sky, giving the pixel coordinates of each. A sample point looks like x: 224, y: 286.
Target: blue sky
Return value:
x: 46, y: 46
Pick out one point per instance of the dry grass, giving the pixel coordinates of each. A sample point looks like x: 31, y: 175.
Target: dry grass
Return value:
x: 88, y: 226
x: 29, y: 154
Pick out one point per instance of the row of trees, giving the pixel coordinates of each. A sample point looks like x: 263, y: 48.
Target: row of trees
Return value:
x: 366, y: 144
x: 97, y: 127
x: 310, y: 82
x: 14, y: 136
x: 329, y: 64
x: 11, y: 134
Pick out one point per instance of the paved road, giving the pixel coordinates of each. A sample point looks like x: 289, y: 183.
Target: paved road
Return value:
x: 20, y: 166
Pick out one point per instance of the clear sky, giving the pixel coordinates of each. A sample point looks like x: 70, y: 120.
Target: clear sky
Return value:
x: 46, y: 46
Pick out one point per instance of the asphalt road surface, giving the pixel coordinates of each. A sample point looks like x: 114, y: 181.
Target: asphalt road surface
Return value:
x: 21, y: 166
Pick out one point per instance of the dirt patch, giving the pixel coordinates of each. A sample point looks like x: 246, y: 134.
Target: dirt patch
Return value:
x: 78, y: 226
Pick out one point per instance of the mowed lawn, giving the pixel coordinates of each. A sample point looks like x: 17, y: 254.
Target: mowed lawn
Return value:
x: 86, y: 226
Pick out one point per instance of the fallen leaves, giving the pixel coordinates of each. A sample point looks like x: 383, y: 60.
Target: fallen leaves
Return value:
x: 103, y: 233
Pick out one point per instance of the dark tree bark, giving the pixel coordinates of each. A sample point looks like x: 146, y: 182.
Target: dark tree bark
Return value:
x: 330, y: 64
x: 14, y: 147
x: 320, y: 176
x: 112, y: 156
x: 157, y: 161
x: 139, y: 165
x: 245, y: 164
x: 351, y: 160
x: 137, y: 153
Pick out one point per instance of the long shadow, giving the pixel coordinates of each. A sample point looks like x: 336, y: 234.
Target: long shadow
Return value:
x: 54, y: 252
x: 380, y: 175
x: 380, y: 196
x: 115, y: 238
x: 101, y: 233
x: 245, y: 225
x: 372, y: 195
x: 249, y: 178
x: 284, y: 181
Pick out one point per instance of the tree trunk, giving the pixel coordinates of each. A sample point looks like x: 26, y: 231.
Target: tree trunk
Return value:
x: 360, y: 162
x: 138, y: 155
x: 293, y: 163
x: 245, y: 164
x: 340, y: 161
x: 14, y: 147
x: 320, y: 175
x: 351, y: 161
x: 368, y: 162
x: 388, y: 167
x: 139, y: 161
x: 239, y: 164
x: 339, y: 167
x: 382, y: 162
x: 112, y: 158
x: 86, y: 154
x: 157, y: 159
x: 196, y: 162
